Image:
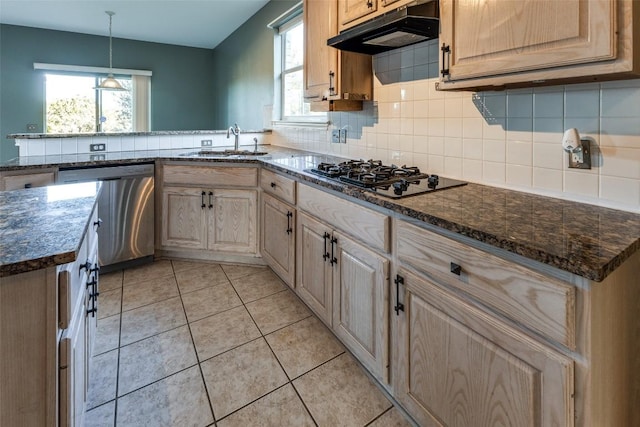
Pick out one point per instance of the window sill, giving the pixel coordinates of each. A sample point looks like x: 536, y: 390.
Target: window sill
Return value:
x: 315, y: 124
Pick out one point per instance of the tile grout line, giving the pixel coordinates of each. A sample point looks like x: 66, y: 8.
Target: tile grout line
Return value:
x: 195, y: 350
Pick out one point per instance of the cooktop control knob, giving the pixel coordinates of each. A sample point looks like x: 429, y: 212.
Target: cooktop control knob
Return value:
x: 433, y: 181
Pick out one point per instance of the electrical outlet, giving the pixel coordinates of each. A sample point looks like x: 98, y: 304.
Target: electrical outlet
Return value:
x: 95, y: 157
x: 206, y: 143
x: 343, y: 136
x: 32, y: 127
x: 97, y: 147
x: 335, y: 136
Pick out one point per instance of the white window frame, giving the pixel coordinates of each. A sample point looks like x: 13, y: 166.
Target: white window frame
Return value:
x: 140, y: 84
x: 283, y: 23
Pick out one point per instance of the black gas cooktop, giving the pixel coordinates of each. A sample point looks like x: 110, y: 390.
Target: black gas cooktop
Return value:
x: 390, y: 181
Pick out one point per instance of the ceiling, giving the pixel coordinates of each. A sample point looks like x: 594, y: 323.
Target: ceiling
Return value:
x: 194, y: 23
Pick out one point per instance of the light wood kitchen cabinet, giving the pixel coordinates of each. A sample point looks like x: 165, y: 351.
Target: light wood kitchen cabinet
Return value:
x: 458, y: 366
x: 347, y: 286
x: 15, y: 180
x: 278, y: 238
x: 496, y: 44
x: 350, y: 10
x: 212, y: 210
x: 334, y: 80
x: 215, y: 219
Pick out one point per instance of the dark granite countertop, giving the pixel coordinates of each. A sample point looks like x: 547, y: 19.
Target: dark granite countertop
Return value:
x: 107, y: 134
x: 43, y: 227
x: 582, y: 239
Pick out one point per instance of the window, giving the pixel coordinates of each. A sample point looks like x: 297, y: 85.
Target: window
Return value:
x: 72, y: 105
x: 289, y: 68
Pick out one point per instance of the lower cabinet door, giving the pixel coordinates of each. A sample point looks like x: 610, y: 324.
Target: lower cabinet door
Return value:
x: 278, y: 237
x: 458, y: 366
x: 313, y: 266
x: 232, y: 227
x: 361, y: 304
x: 184, y: 217
x: 73, y: 380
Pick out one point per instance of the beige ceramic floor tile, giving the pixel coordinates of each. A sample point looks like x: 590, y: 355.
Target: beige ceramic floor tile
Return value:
x: 179, y: 400
x: 303, y: 346
x: 340, y: 393
x: 109, y: 303
x: 258, y: 285
x: 221, y: 332
x: 391, y: 418
x: 102, y: 416
x: 110, y: 281
x: 102, y: 381
x: 200, y: 276
x: 240, y: 376
x: 152, y: 359
x: 107, y: 334
x: 208, y: 301
x: 151, y: 319
x: 150, y: 271
x: 276, y: 311
x: 182, y: 265
x: 141, y: 293
x: 281, y: 408
x: 234, y: 271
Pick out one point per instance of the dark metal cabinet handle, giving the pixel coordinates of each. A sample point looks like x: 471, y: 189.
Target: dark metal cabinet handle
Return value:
x: 369, y: 4
x: 273, y: 185
x: 326, y: 255
x: 456, y: 269
x: 334, y: 260
x: 210, y: 199
x: 399, y: 306
x: 97, y: 224
x: 446, y: 50
x: 289, y: 216
x: 85, y: 266
x: 203, y: 205
x: 332, y: 87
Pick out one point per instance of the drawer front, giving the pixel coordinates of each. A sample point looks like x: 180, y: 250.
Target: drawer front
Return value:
x: 278, y: 185
x: 368, y: 226
x: 538, y: 302
x: 72, y: 279
x: 211, y: 175
x: 16, y: 182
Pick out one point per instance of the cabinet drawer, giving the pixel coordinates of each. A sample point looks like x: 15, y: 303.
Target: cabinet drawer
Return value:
x: 16, y: 182
x: 210, y: 175
x: 538, y: 302
x: 280, y: 186
x: 364, y: 224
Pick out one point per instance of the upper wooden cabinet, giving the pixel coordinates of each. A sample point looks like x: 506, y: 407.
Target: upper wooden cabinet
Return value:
x: 497, y: 44
x: 354, y: 12
x: 350, y: 10
x: 334, y: 80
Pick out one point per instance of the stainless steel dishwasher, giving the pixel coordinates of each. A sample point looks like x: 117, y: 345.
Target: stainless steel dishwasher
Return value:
x: 126, y: 208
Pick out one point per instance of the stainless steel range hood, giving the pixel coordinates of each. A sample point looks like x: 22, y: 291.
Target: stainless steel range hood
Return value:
x: 401, y: 27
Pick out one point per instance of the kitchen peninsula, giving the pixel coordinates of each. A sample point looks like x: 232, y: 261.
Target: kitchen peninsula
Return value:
x: 48, y: 297
x: 549, y: 302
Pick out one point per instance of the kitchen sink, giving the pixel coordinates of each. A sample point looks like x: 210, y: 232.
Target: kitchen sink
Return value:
x: 224, y: 153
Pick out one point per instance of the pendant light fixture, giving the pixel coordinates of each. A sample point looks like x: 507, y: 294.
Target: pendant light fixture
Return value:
x: 110, y: 83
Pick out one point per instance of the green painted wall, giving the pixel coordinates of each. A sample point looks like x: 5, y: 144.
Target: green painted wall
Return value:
x: 182, y: 85
x: 243, y: 70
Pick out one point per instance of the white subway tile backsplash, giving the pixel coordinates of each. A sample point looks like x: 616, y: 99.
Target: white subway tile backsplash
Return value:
x: 494, y: 150
x: 436, y: 164
x: 472, y: 148
x: 622, y: 190
x: 495, y: 129
x: 69, y: 146
x: 519, y: 176
x: 582, y: 103
x: 436, y: 145
x: 128, y: 143
x: 520, y: 104
x: 472, y: 170
x: 547, y: 179
x: 436, y: 108
x: 581, y: 183
x: 53, y: 146
x: 621, y: 162
x: 620, y: 102
x: 548, y: 104
x: 36, y: 147
x: 519, y: 153
x: 472, y: 127
x: 453, y: 127
x: 494, y: 104
x: 140, y: 143
x: 549, y: 156
x: 435, y: 126
x: 493, y: 172
x: 83, y: 143
x: 453, y: 107
x: 453, y: 147
x: 620, y: 132
x: 153, y: 142
x: 453, y: 167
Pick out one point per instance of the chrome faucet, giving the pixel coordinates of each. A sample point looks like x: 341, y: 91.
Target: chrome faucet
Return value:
x: 235, y: 130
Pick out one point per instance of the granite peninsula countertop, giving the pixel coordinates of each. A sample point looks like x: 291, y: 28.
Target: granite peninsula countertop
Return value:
x: 107, y: 134
x: 43, y: 227
x: 539, y: 228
